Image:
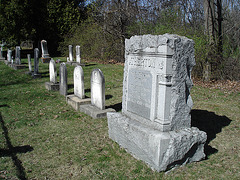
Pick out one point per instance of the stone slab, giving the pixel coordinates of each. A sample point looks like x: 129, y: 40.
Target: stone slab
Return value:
x: 95, y: 112
x: 76, y: 102
x: 35, y: 76
x: 52, y: 86
x: 45, y: 60
x: 16, y: 66
x: 160, y: 150
x: 74, y: 63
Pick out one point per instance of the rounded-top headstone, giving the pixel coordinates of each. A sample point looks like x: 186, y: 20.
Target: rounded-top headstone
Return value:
x: 78, y: 82
x: 52, y: 71
x: 98, y: 89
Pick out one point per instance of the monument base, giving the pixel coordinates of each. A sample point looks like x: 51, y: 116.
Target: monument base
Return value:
x: 74, y: 63
x: 95, y: 112
x: 45, y: 60
x: 7, y: 62
x: 160, y: 150
x: 52, y: 86
x: 17, y: 66
x: 2, y: 58
x: 35, y: 76
x: 75, y: 101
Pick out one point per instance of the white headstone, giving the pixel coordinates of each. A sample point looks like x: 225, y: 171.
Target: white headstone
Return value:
x: 29, y: 62
x: 9, y: 55
x: 78, y: 82
x: 78, y: 55
x: 98, y: 89
x: 70, y: 53
x: 52, y: 71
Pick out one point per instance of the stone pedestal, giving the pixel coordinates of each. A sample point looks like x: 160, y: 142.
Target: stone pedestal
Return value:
x: 76, y: 102
x: 95, y: 112
x: 160, y: 150
x: 45, y: 60
x: 52, y: 86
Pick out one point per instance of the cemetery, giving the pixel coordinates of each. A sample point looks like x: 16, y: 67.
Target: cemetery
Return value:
x: 119, y: 90
x: 59, y: 103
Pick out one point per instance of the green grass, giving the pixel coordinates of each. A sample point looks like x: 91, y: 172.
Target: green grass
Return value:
x: 49, y: 140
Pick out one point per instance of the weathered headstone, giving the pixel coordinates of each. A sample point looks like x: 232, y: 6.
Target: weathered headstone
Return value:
x: 98, y: 89
x: 78, y: 78
x: 36, y: 63
x: 18, y: 55
x: 1, y: 53
x: 156, y: 102
x: 1, y: 50
x: 70, y: 47
x: 78, y: 98
x: 97, y: 107
x: 78, y: 55
x: 52, y: 71
x: 9, y: 57
x: 53, y: 85
x: 63, y: 87
x: 45, y: 56
x: 29, y: 62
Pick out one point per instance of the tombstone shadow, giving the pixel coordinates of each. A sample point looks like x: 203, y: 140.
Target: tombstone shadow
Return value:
x: 12, y: 151
x: 90, y: 64
x: 117, y: 107
x: 210, y: 123
x: 108, y: 96
x: 44, y: 74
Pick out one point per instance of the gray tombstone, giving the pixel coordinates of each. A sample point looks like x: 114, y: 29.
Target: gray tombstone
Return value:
x: 29, y: 62
x: 18, y: 55
x: 52, y: 71
x: 36, y: 61
x: 70, y: 47
x: 98, y: 89
x: 78, y: 78
x: 9, y: 55
x: 44, y: 49
x: 45, y: 55
x: 155, y: 123
x: 1, y: 52
x: 63, y: 87
x: 78, y: 56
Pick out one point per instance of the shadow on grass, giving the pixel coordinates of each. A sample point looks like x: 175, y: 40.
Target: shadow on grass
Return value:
x: 13, y: 151
x: 117, y: 107
x: 210, y: 123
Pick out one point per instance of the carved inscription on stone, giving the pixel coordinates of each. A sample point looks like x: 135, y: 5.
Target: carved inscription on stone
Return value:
x: 139, y: 92
x: 146, y: 62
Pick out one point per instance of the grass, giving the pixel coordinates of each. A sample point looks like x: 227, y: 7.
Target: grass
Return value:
x: 41, y: 137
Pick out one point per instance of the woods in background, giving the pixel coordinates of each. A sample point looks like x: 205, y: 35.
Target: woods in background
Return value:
x: 101, y: 26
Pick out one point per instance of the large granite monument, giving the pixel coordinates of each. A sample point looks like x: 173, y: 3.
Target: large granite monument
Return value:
x: 155, y: 123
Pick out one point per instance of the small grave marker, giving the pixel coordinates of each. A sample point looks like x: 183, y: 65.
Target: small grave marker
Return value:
x: 63, y: 87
